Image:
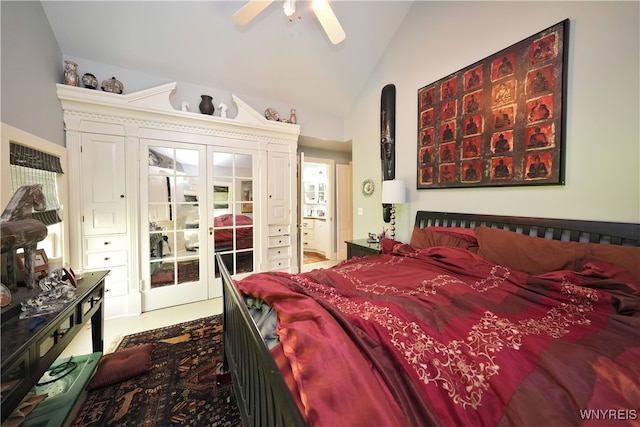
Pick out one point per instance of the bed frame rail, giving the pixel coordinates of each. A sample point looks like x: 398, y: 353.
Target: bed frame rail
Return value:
x: 616, y: 233
x: 263, y: 397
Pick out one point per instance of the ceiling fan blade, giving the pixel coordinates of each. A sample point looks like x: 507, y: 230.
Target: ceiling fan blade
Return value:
x: 250, y: 10
x: 328, y: 20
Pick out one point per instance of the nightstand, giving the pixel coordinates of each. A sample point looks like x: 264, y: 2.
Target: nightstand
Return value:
x: 361, y: 247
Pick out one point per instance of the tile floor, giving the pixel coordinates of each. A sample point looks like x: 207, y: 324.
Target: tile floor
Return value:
x: 116, y: 329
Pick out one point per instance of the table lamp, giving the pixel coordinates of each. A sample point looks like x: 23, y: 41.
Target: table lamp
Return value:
x: 393, y: 193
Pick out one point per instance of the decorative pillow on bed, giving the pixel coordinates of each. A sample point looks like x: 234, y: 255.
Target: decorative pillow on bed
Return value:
x: 122, y: 365
x: 426, y: 238
x: 533, y: 255
x: 387, y: 245
x: 624, y: 256
x: 461, y: 233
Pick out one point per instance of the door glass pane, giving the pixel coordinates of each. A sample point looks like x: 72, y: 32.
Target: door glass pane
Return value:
x: 174, y: 216
x: 188, y: 271
x: 233, y: 209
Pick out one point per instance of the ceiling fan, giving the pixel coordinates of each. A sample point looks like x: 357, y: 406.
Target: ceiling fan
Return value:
x: 321, y: 8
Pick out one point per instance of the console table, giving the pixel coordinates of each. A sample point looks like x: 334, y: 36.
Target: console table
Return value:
x: 26, y: 355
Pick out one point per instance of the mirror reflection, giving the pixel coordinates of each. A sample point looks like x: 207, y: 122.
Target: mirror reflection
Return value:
x: 174, y: 216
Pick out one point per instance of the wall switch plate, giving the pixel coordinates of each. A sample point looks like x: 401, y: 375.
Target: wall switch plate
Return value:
x: 360, y: 211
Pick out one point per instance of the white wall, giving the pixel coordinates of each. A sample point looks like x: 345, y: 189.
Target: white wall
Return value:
x: 312, y: 122
x: 603, y: 112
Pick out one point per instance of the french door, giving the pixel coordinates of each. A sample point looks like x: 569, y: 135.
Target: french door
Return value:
x: 196, y: 200
x: 235, y: 214
x: 172, y: 192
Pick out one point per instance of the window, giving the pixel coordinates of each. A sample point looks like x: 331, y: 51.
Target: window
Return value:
x: 29, y: 166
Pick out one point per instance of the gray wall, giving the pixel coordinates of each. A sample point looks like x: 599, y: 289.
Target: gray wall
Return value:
x: 31, y: 65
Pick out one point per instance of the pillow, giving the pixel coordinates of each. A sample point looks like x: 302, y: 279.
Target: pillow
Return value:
x: 122, y: 365
x: 624, y: 256
x: 387, y: 245
x: 457, y: 232
x: 533, y: 255
x: 426, y: 238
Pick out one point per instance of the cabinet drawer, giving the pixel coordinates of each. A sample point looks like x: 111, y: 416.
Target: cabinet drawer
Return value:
x: 308, y: 233
x: 115, y: 289
x: 279, y: 264
x: 115, y: 283
x: 276, y: 241
x: 105, y: 243
x: 105, y: 259
x: 277, y: 253
x: 276, y: 230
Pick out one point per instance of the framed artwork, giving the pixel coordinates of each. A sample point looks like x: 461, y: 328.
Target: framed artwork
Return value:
x: 220, y: 197
x: 41, y: 265
x: 499, y: 121
x: 247, y: 196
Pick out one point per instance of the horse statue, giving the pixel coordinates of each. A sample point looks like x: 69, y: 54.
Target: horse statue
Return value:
x: 18, y: 229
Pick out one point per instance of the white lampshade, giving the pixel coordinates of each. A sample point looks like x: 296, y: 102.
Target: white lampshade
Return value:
x: 393, y: 191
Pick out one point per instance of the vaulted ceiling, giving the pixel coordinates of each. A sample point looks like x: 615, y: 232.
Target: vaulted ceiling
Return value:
x: 197, y: 42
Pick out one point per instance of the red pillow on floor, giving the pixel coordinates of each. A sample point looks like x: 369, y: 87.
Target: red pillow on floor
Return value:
x: 122, y: 365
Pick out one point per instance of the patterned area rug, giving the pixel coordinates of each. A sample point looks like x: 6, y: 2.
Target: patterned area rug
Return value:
x: 185, y: 387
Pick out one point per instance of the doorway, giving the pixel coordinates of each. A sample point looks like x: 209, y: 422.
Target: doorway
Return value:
x: 317, y: 201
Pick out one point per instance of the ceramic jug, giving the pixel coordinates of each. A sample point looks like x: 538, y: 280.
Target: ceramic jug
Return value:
x: 206, y: 105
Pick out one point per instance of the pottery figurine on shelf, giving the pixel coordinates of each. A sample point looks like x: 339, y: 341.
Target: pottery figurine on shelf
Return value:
x: 89, y: 81
x: 223, y: 109
x: 294, y: 117
x: 70, y: 73
x: 206, y: 105
x: 112, y: 85
x: 271, y: 114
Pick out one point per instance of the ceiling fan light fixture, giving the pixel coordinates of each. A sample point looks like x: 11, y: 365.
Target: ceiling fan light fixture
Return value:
x: 321, y: 8
x: 289, y: 8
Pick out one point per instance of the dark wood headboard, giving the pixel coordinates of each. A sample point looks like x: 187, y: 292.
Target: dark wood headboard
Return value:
x: 616, y: 233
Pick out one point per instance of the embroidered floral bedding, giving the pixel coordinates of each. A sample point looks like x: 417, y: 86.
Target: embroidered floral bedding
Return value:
x: 439, y: 336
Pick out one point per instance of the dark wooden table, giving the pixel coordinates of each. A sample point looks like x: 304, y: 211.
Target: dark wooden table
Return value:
x: 26, y: 355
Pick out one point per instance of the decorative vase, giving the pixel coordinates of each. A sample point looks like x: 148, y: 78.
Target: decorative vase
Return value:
x: 89, y: 81
x: 206, y: 105
x: 293, y: 119
x: 70, y: 73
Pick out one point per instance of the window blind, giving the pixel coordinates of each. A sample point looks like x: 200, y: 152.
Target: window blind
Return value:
x: 29, y: 166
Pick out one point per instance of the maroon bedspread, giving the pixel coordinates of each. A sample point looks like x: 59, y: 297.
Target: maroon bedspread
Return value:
x: 439, y: 336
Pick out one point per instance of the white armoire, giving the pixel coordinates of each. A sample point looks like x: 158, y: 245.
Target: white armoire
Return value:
x: 155, y: 193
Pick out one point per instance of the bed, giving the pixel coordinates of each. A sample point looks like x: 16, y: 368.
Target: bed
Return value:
x: 478, y: 320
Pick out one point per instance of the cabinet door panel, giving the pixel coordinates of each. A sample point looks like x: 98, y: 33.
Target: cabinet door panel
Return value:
x: 279, y: 188
x: 103, y: 184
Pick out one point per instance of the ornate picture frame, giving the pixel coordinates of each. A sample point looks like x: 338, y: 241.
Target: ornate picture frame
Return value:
x: 499, y: 121
x: 41, y: 266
